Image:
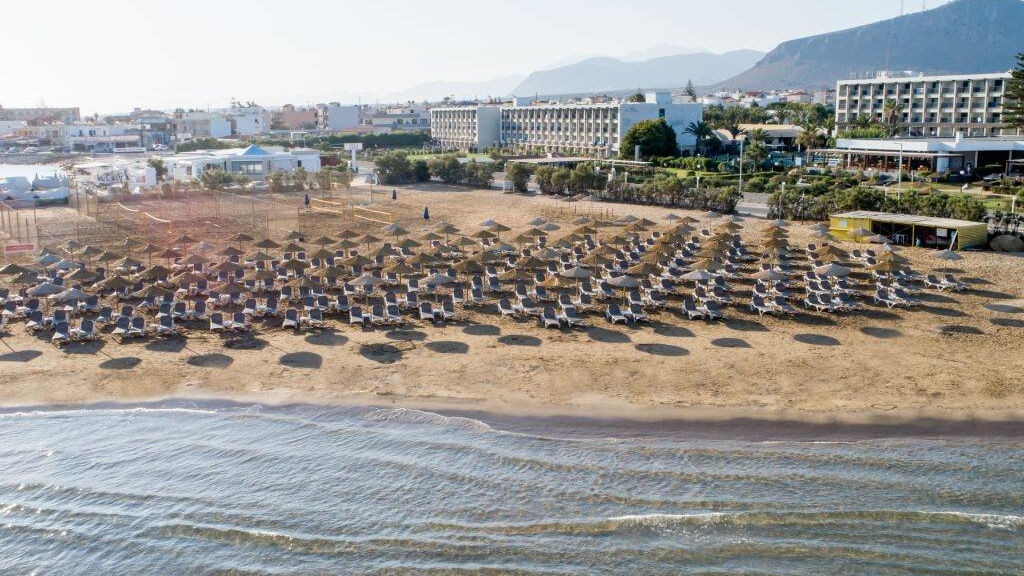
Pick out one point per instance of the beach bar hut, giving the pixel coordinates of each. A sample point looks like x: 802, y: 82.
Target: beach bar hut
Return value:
x: 910, y: 230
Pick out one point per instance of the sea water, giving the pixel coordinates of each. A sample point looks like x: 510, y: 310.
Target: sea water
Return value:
x: 191, y: 488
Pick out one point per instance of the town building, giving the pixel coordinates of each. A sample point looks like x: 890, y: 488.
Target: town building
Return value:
x: 929, y: 106
x: 92, y: 138
x: 939, y: 155
x: 197, y: 124
x: 41, y: 114
x: 398, y: 118
x: 334, y: 117
x: 581, y: 128
x: 256, y: 162
x: 247, y: 120
x: 292, y: 118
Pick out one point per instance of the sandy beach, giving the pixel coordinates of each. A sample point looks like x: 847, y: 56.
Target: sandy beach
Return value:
x: 957, y: 356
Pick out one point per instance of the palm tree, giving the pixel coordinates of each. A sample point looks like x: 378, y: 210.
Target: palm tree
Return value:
x: 701, y: 130
x: 734, y: 130
x: 808, y: 137
x: 891, y: 113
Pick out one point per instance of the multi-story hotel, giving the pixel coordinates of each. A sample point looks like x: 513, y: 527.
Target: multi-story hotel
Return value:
x: 591, y: 129
x: 929, y: 106
x: 465, y: 127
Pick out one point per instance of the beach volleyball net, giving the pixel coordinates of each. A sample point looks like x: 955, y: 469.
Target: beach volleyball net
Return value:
x: 378, y: 216
x: 327, y: 207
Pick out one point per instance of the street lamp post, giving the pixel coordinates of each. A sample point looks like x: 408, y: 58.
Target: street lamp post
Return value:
x: 741, y: 168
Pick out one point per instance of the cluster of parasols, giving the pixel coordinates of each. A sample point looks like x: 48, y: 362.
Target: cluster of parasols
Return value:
x: 630, y: 264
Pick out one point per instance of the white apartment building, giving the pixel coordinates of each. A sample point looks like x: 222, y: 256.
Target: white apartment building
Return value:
x: 584, y: 128
x: 334, y: 117
x: 930, y: 106
x: 466, y: 127
x: 197, y: 124
x: 247, y: 120
x: 102, y: 137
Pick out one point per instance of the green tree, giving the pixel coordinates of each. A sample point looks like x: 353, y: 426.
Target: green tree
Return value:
x: 1013, y: 105
x: 478, y: 174
x: 637, y: 97
x: 158, y: 166
x: 421, y: 171
x: 394, y: 168
x: 299, y: 177
x: 584, y: 178
x: 655, y: 138
x: 702, y: 131
x: 690, y: 91
x: 325, y: 180
x: 215, y: 179
x: 447, y: 169
x: 519, y: 175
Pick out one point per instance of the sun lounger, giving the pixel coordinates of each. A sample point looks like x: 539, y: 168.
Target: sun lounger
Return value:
x: 122, y: 327
x: 239, y: 323
x: 61, y: 334
x: 291, y: 319
x: 570, y: 317
x: 932, y: 282
x: 426, y: 312
x: 165, y: 327
x: 952, y: 283
x: 530, y: 307
x: 758, y: 304
x: 691, y: 310
x: 316, y: 319
x: 711, y: 310
x: 548, y: 319
x: 104, y: 316
x: 614, y: 314
x: 505, y: 308
x: 138, y: 328
x: 883, y: 297
x: 448, y: 310
x: 393, y: 315
x: 902, y: 297
x: 637, y: 313
x: 377, y: 316
x: 85, y: 332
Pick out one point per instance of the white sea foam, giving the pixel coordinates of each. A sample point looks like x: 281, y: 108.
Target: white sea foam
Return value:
x: 422, y: 417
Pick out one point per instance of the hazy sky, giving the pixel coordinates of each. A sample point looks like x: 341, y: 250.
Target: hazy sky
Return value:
x: 111, y: 55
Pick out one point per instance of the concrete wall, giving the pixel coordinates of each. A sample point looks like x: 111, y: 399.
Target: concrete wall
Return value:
x: 488, y: 127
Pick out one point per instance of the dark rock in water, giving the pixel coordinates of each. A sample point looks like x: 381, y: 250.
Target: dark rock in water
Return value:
x: 1007, y: 243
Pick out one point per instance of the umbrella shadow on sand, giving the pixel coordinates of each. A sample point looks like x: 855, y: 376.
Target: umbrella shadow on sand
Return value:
x: 20, y: 356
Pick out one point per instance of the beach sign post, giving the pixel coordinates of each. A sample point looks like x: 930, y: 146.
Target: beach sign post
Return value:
x: 426, y: 213
x: 394, y: 195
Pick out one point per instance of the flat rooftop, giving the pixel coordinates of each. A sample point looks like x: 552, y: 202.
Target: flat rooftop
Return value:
x: 908, y: 219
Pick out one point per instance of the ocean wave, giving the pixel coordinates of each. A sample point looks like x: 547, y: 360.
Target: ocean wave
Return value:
x: 664, y: 521
x: 422, y: 417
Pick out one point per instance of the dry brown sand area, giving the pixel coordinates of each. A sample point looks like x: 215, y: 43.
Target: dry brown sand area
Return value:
x: 954, y: 356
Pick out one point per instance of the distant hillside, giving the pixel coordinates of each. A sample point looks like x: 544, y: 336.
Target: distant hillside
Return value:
x: 965, y: 36
x: 609, y: 74
x: 497, y: 87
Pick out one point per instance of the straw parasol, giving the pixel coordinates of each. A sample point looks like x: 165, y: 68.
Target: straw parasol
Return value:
x: 469, y: 266
x: 321, y: 253
x: 115, y: 283
x: 859, y: 233
x: 330, y: 272
x: 152, y: 291
x: 153, y: 273
x: 323, y: 241
x: 769, y: 275
x: 45, y: 289
x: 357, y: 260
x: 576, y: 273
x: 516, y: 275
x: 259, y: 276
x: 188, y: 278
x: 698, y: 276
x: 707, y: 264
x: 81, y: 275
x: 226, y: 266
x: 295, y: 235
x: 400, y: 268
x: 231, y: 251
x: 13, y: 270
x: 294, y: 265
x: 127, y: 263
x: 345, y: 234
x: 483, y: 235
x: 643, y: 269
x: 832, y: 270
x: 408, y: 243
x: 267, y: 244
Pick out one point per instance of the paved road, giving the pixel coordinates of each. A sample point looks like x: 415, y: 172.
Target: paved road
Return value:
x: 753, y: 204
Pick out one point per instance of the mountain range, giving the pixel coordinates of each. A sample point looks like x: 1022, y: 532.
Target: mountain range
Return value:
x: 964, y: 36
x: 603, y: 74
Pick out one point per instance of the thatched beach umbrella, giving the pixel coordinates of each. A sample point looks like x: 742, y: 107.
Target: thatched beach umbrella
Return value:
x: 266, y: 244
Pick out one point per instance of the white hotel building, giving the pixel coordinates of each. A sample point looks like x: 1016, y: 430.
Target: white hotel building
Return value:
x: 930, y: 106
x: 592, y: 129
